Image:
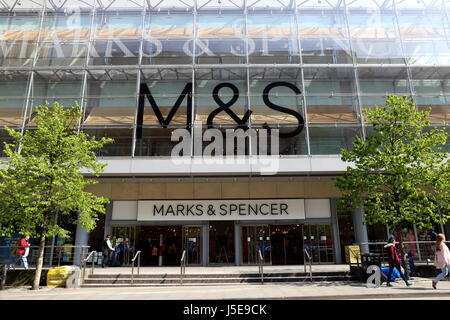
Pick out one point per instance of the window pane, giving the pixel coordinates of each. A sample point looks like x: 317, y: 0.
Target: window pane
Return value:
x: 13, y: 90
x: 123, y: 141
x: 168, y: 39
x: 205, y: 104
x: 155, y: 142
x: 324, y: 37
x: 111, y: 98
x: 73, y: 26
x: 330, y: 140
x: 18, y: 35
x: 283, y: 96
x: 272, y: 39
x: 383, y: 81
x: 219, y: 39
x: 330, y: 95
x: 374, y: 35
x: 62, y: 54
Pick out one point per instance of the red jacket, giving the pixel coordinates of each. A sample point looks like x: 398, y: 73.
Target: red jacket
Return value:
x: 392, y: 254
x: 22, y: 244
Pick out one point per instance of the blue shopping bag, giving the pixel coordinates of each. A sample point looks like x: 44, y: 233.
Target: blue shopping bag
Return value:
x: 395, y: 274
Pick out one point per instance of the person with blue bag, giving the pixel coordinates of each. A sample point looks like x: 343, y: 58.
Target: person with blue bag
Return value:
x: 441, y: 259
x: 394, y: 261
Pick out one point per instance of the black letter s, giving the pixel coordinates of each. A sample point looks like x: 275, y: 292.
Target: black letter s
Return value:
x: 301, y: 121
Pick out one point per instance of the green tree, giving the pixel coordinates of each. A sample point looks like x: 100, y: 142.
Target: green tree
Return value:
x: 400, y: 175
x: 42, y: 181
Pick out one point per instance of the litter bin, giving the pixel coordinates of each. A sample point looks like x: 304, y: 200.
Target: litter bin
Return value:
x: 368, y: 259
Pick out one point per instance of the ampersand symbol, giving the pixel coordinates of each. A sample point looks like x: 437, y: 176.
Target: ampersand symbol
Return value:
x: 211, y: 210
x: 242, y: 123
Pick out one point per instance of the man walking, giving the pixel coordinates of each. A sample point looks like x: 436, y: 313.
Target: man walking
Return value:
x: 23, y: 250
x: 107, y: 251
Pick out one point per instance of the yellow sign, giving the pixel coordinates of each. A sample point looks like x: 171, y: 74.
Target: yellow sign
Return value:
x: 56, y: 277
x: 350, y: 255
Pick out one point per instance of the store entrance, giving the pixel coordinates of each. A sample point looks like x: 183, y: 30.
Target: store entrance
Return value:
x: 192, y: 243
x: 256, y: 238
x: 287, y: 244
x: 221, y: 242
x: 159, y: 245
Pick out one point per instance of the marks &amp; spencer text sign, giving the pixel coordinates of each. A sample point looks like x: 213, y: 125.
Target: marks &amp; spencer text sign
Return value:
x: 264, y: 209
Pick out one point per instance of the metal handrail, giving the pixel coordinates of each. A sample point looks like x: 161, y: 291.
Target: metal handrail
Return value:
x: 308, y: 256
x: 261, y: 265
x: 422, y: 250
x: 138, y: 256
x: 85, y: 262
x: 183, y: 266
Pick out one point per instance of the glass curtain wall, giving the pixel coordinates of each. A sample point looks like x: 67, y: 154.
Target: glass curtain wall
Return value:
x: 338, y: 58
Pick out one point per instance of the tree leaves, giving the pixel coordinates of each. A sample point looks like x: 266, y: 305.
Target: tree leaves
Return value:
x: 45, y: 178
x: 400, y: 175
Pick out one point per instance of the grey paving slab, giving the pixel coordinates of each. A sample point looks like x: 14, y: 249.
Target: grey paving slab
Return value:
x: 321, y: 290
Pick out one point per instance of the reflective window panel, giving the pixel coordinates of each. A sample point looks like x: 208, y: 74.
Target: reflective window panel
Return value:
x: 432, y: 89
x: 221, y: 96
x: 323, y: 35
x: 330, y: 140
x: 13, y: 94
x: 374, y: 34
x: 111, y: 98
x: 168, y: 39
x: 18, y: 36
x: 330, y: 95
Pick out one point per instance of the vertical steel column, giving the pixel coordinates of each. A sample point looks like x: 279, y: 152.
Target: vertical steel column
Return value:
x: 205, y: 244
x: 447, y: 36
x: 444, y: 9
x: 305, y: 108
x: 238, y: 243
x: 193, y: 73
x: 360, y: 228
x: 402, y: 48
x: 247, y: 73
x: 28, y: 109
x: 138, y: 79
x: 355, y: 72
x: 335, y: 231
x: 85, y: 75
x: 418, y: 244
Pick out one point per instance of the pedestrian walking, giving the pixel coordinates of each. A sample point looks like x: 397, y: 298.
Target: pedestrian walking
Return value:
x: 394, y: 261
x: 23, y: 249
x: 441, y: 258
x: 107, y: 250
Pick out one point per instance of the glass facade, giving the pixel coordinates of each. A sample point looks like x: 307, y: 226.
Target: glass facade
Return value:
x: 342, y: 56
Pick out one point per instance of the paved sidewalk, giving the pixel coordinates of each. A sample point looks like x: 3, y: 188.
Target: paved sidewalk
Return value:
x: 322, y: 290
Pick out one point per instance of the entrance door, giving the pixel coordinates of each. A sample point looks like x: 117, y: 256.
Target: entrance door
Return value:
x: 124, y: 239
x: 318, y: 240
x: 255, y: 238
x: 287, y: 244
x: 192, y: 243
x: 221, y: 242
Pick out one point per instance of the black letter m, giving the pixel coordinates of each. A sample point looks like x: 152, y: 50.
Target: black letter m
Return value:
x: 144, y: 91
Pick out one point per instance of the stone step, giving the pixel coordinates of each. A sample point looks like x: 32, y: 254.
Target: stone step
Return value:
x: 188, y: 280
x: 201, y: 276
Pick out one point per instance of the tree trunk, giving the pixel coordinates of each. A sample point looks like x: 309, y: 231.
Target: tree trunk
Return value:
x: 3, y: 277
x: 39, y: 263
x: 403, y: 261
